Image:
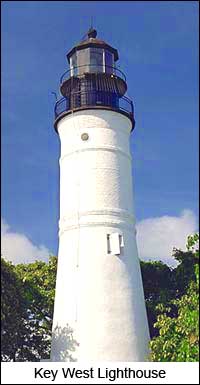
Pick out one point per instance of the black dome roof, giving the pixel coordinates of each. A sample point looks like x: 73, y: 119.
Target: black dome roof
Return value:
x: 91, y: 41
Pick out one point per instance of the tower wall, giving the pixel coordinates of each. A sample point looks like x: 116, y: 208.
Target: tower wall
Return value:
x: 99, y: 293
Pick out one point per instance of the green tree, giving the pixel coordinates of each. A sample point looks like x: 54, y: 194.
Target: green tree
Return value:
x: 178, y: 338
x: 185, y: 271
x: 32, y: 288
x: 13, y: 311
x: 158, y: 288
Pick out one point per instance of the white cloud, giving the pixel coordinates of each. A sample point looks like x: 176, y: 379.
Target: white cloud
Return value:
x: 157, y: 236
x: 17, y: 248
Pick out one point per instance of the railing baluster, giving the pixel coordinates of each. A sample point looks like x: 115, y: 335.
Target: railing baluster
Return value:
x: 94, y: 98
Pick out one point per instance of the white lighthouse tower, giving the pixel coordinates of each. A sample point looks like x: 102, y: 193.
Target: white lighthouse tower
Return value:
x: 99, y: 292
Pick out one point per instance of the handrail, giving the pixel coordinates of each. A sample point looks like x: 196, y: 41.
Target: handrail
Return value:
x: 116, y: 71
x: 94, y: 98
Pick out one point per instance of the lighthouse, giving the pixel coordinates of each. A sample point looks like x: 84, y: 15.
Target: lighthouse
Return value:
x: 99, y: 311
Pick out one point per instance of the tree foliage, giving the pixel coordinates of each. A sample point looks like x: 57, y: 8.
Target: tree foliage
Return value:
x: 28, y: 292
x: 157, y: 283
x: 178, y: 338
x: 13, y: 311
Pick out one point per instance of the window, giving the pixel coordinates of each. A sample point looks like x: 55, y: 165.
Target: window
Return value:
x: 96, y: 60
x: 115, y: 243
x: 85, y: 136
x: 83, y: 60
x: 109, y: 61
x: 73, y: 64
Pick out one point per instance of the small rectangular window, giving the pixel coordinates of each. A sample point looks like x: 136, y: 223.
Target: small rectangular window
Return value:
x: 115, y: 243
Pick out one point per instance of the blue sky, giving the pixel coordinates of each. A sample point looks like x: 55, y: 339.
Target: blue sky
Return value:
x: 157, y: 43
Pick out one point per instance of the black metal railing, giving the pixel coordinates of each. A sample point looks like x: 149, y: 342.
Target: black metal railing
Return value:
x: 92, y: 68
x: 94, y: 99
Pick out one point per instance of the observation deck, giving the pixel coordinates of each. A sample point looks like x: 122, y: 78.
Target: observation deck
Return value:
x: 93, y: 81
x: 88, y: 87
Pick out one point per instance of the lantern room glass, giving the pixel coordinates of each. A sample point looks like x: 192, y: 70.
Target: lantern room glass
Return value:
x: 91, y: 60
x: 96, y: 60
x: 109, y: 62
